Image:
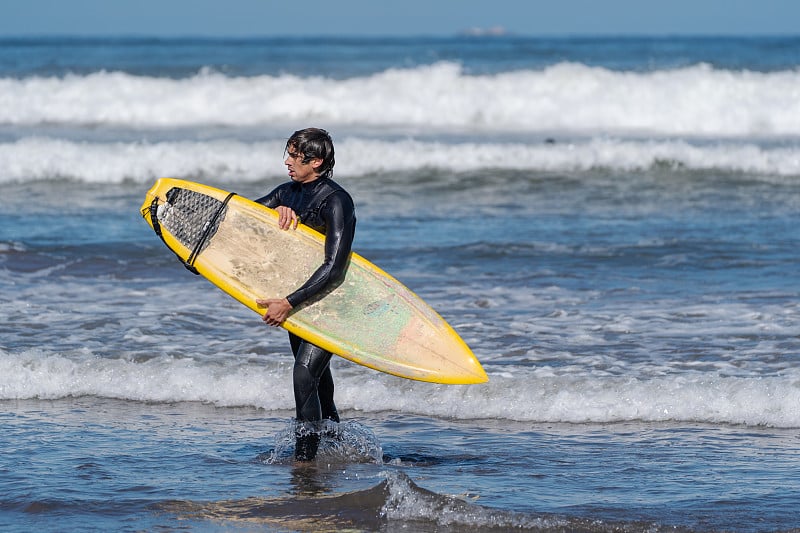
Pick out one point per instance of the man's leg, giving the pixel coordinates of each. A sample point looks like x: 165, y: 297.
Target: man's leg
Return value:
x: 325, y: 386
x: 311, y: 365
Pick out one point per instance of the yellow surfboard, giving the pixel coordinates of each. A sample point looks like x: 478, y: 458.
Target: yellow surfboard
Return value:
x: 370, y: 318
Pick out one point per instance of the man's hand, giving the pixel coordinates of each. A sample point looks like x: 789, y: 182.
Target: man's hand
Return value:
x: 287, y: 218
x: 278, y: 310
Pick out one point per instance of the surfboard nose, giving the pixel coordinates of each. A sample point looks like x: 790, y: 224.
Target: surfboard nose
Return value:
x: 464, y: 370
x: 472, y: 375
x: 447, y: 357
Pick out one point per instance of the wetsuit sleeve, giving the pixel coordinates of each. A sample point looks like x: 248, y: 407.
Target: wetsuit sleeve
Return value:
x: 340, y: 221
x: 273, y: 199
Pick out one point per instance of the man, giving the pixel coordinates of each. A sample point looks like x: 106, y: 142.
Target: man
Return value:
x: 315, y: 199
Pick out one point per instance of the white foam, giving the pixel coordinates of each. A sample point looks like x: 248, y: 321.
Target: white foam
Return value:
x: 517, y: 394
x: 41, y: 158
x: 37, y: 374
x: 566, y: 97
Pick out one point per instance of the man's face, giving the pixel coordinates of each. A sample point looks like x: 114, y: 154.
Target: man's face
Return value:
x: 299, y: 171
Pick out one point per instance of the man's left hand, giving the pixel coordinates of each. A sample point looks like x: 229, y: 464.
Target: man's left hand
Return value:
x: 278, y: 310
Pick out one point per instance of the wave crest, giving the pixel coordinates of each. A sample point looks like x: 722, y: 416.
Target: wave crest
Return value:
x: 527, y: 395
x: 567, y: 97
x: 43, y: 158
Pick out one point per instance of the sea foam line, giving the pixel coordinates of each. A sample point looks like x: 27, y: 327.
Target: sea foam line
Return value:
x: 522, y: 396
x: 42, y: 158
x: 567, y: 97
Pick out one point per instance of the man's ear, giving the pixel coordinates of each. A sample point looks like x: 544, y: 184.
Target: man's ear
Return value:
x: 316, y: 163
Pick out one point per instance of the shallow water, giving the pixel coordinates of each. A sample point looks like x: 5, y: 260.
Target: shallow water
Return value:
x: 107, y: 464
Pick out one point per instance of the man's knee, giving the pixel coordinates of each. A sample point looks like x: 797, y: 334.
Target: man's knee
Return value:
x: 304, y: 380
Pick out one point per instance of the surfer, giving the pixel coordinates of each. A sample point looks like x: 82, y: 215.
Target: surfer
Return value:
x: 315, y: 199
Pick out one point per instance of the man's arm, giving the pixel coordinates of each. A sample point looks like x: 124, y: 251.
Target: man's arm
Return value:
x: 286, y: 216
x: 340, y: 221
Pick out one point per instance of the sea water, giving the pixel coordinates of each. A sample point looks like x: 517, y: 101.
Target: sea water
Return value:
x: 610, y: 224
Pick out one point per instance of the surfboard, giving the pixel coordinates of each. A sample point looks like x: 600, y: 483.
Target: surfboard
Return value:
x: 370, y: 318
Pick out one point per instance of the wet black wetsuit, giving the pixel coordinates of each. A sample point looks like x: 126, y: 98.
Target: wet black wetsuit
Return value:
x: 325, y: 206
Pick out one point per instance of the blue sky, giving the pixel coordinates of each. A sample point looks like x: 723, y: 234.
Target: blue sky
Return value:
x: 239, y: 18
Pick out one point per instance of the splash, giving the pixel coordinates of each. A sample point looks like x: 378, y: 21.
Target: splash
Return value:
x: 341, y: 443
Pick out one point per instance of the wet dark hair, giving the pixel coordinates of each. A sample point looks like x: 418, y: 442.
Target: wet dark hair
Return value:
x: 314, y: 143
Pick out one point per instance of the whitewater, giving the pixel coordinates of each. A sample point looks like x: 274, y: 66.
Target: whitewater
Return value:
x: 41, y: 158
x: 566, y: 97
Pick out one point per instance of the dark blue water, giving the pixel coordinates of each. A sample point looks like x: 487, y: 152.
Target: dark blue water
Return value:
x: 342, y: 57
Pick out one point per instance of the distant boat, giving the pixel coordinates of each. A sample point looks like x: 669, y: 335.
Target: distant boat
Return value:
x: 493, y: 31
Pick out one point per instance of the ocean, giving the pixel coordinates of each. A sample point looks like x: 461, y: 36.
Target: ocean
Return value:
x: 611, y: 224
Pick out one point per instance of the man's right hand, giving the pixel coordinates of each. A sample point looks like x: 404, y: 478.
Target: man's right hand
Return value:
x: 287, y: 218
